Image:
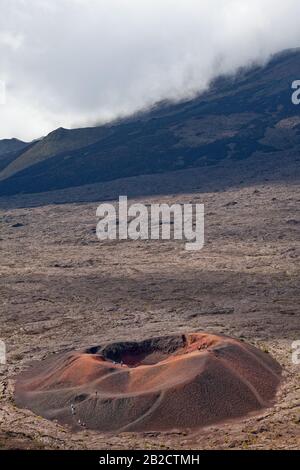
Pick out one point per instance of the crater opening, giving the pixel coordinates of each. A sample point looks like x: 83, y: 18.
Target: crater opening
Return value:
x: 135, y: 354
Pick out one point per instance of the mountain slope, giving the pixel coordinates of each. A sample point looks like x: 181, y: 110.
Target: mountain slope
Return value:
x: 11, y: 145
x: 10, y: 149
x: 56, y: 142
x: 238, y: 117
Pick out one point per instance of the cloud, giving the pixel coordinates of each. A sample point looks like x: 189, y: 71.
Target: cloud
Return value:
x: 77, y: 62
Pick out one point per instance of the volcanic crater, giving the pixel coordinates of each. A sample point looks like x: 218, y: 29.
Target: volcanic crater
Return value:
x: 164, y: 383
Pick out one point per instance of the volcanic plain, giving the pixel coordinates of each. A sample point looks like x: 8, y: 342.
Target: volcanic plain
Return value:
x: 63, y: 291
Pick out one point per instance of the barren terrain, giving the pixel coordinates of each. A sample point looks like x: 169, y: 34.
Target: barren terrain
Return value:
x: 62, y: 289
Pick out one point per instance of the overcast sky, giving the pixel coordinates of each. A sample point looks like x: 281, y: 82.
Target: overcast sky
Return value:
x: 77, y: 62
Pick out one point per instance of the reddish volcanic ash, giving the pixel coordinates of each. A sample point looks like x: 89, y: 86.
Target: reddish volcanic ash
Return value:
x: 180, y: 381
